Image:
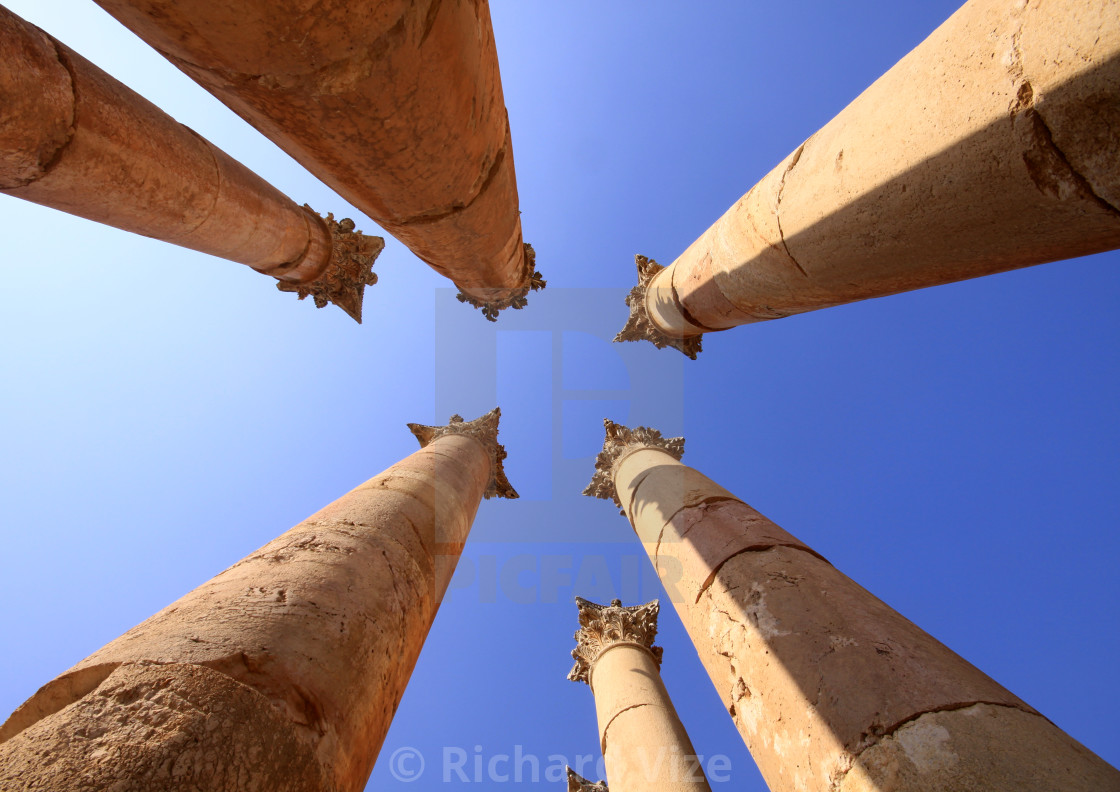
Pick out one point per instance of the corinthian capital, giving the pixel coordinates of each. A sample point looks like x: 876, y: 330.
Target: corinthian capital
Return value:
x: 483, y: 429
x: 500, y: 299
x: 619, y: 442
x: 604, y: 626
x: 348, y: 272
x: 640, y: 325
x: 577, y: 783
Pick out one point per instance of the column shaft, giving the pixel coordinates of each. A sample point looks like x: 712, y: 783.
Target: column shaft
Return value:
x: 396, y: 105
x: 829, y: 687
x: 284, y: 671
x: 77, y: 140
x: 645, y: 746
x: 991, y: 146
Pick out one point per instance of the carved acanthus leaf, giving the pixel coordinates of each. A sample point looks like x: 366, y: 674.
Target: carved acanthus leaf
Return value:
x: 483, y: 429
x: 640, y: 327
x: 620, y: 440
x: 603, y: 626
x: 515, y: 298
x: 577, y: 783
x: 348, y: 272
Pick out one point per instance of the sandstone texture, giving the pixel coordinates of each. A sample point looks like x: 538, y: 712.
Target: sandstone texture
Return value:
x: 284, y: 671
x: 171, y: 726
x: 992, y: 145
x: 77, y: 140
x: 937, y: 752
x: 644, y: 744
x: 397, y: 106
x: 830, y: 688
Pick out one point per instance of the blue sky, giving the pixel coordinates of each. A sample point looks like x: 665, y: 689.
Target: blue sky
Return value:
x: 954, y: 450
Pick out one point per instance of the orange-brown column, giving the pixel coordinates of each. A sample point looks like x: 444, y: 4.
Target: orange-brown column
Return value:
x: 75, y: 139
x: 395, y: 105
x: 284, y: 671
x: 644, y: 744
x: 995, y: 144
x: 830, y: 688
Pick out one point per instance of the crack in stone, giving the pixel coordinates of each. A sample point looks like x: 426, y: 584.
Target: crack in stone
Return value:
x: 706, y: 501
x: 684, y: 311
x: 1044, y: 162
x: 46, y: 167
x: 217, y: 189
x: 730, y: 618
x: 603, y: 742
x: 430, y: 20
x: 215, y: 76
x: 778, y: 206
x: 755, y: 549
x: 1042, y: 176
x: 436, y: 215
x: 878, y: 736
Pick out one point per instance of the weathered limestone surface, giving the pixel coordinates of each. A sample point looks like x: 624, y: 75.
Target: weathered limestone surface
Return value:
x: 395, y: 105
x: 644, y: 743
x: 105, y: 739
x: 303, y: 649
x: 830, y: 688
x: 77, y: 140
x: 992, y: 145
x: 936, y: 752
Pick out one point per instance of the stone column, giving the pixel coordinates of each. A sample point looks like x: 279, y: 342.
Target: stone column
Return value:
x: 829, y: 687
x: 284, y: 671
x: 395, y: 104
x: 992, y: 145
x: 577, y: 783
x: 644, y: 743
x: 77, y: 140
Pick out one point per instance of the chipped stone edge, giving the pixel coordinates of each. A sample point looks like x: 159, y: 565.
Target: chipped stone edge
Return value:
x: 518, y: 299
x: 577, y: 783
x: 619, y: 442
x: 350, y: 269
x: 484, y: 429
x: 604, y: 626
x: 640, y: 327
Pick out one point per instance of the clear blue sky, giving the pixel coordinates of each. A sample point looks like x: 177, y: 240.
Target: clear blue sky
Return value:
x: 954, y: 450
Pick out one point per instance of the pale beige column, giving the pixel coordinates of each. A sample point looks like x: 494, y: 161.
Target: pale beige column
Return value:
x: 396, y: 105
x: 644, y: 743
x: 75, y: 139
x: 830, y: 688
x: 284, y: 671
x: 994, y: 144
x: 577, y: 783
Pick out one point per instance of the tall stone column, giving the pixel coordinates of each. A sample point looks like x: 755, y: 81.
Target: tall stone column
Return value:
x: 643, y: 740
x: 830, y: 688
x: 284, y: 671
x: 395, y: 104
x: 992, y: 145
x: 77, y: 140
